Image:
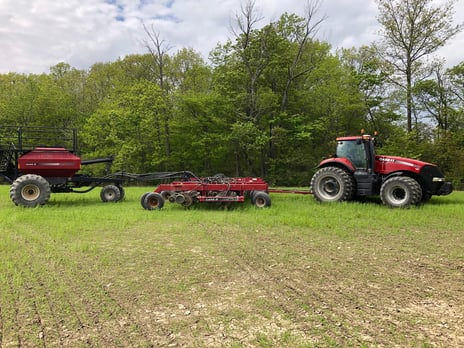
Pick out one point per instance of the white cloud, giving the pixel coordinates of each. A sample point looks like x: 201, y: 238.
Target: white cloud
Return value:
x: 37, y: 34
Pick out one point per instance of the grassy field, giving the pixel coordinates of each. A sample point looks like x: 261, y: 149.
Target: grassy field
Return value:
x: 82, y: 273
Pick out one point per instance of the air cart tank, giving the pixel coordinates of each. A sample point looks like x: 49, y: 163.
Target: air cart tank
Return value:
x: 49, y: 162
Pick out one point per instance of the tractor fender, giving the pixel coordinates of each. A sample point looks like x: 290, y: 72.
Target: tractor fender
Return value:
x: 401, y: 173
x: 411, y: 175
x: 342, y: 163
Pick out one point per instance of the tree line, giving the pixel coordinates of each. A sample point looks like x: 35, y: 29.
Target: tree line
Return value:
x: 268, y: 102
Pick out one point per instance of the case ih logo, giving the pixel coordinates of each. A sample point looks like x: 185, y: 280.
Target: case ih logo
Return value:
x: 57, y: 164
x: 392, y: 160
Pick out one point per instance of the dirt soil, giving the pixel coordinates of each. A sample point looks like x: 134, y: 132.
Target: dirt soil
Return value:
x: 208, y: 288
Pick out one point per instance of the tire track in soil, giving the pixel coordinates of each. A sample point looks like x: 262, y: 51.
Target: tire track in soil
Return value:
x: 347, y: 318
x: 1, y: 327
x: 337, y: 310
x: 87, y: 301
x: 14, y: 296
x: 34, y: 290
x: 102, y: 320
x: 290, y: 298
x: 31, y: 291
x: 57, y: 315
x: 37, y: 318
x: 283, y: 290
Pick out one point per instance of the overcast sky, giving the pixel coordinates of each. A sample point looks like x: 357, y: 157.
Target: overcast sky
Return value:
x: 37, y: 34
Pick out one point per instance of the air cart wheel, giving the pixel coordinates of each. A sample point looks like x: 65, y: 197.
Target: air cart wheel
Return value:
x: 110, y: 193
x: 152, y: 201
x: 30, y: 190
x: 400, y: 192
x: 261, y: 199
x: 123, y: 192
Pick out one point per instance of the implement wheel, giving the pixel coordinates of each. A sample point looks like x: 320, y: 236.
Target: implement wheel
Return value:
x: 261, y: 199
x: 111, y: 193
x: 30, y: 190
x: 152, y: 201
x: 332, y: 184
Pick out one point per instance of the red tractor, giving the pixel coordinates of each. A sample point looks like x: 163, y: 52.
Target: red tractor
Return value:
x: 356, y: 171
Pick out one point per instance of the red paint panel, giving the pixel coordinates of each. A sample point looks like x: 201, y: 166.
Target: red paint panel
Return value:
x: 49, y: 162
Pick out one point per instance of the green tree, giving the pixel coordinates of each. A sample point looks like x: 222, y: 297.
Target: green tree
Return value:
x: 54, y: 99
x: 372, y: 78
x: 435, y: 100
x: 290, y: 93
x: 128, y: 125
x: 201, y: 136
x: 456, y: 80
x: 188, y: 72
x: 412, y: 30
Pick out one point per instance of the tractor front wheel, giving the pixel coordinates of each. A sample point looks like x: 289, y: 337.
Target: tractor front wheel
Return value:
x: 30, y: 190
x: 332, y: 184
x: 400, y: 192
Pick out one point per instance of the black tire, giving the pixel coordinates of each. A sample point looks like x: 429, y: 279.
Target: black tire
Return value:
x: 332, y: 184
x: 188, y: 201
x: 153, y: 201
x: 110, y: 193
x: 400, y: 192
x: 142, y: 199
x: 30, y: 190
x: 166, y: 195
x: 261, y: 199
x: 123, y: 192
x: 252, y: 196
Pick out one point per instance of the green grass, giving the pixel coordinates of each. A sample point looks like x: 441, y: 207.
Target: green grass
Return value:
x: 78, y: 272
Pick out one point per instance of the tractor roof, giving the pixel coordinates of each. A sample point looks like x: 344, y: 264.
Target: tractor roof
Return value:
x: 354, y: 137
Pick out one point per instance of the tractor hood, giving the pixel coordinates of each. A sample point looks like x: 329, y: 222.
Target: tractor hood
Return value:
x: 389, y: 164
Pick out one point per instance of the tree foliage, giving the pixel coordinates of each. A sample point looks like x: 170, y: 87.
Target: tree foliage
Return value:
x: 412, y: 30
x: 269, y: 103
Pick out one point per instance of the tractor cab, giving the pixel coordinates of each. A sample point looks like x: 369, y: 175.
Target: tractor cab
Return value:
x: 358, y: 152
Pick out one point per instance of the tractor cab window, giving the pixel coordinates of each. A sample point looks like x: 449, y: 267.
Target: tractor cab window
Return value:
x: 353, y: 150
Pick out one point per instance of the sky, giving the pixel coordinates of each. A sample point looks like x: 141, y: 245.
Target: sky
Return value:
x: 38, y: 34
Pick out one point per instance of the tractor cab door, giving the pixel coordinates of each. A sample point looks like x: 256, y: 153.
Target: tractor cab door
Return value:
x: 355, y: 151
x: 361, y: 154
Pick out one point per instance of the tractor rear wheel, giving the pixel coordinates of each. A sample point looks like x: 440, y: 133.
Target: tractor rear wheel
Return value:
x: 30, y: 190
x: 152, y: 201
x: 400, y: 192
x: 332, y: 184
x: 110, y: 193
